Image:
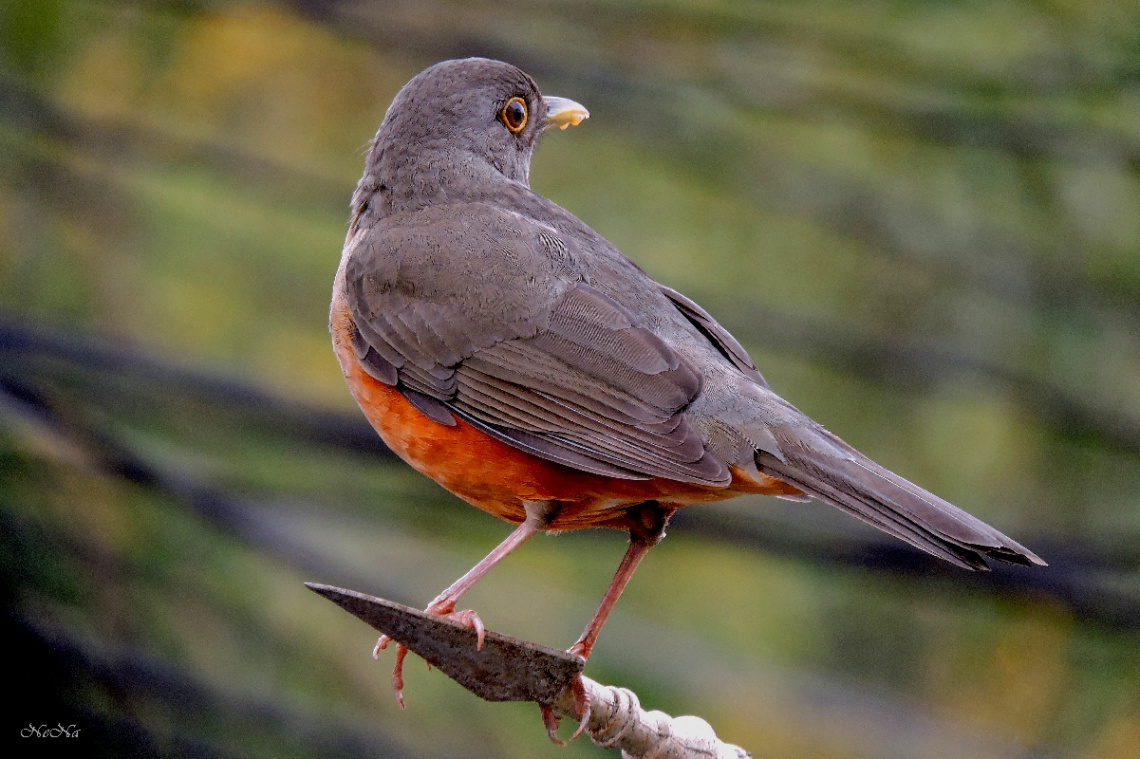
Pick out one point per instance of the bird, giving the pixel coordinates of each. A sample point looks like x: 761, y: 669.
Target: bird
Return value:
x: 503, y: 348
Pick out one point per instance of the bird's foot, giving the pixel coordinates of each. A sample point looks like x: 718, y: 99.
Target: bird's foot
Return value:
x: 397, y: 668
x: 581, y: 706
x: 468, y: 618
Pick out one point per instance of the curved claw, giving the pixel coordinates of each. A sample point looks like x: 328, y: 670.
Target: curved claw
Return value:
x: 551, y: 721
x: 398, y: 674
x: 581, y: 704
x: 469, y: 619
x: 398, y: 669
x: 582, y: 708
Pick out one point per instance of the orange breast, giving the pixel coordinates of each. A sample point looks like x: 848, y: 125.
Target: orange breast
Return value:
x: 499, y: 478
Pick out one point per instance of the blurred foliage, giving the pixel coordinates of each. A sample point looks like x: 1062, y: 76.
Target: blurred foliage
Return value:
x: 922, y: 219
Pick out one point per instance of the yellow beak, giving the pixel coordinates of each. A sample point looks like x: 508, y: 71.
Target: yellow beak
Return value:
x: 563, y: 112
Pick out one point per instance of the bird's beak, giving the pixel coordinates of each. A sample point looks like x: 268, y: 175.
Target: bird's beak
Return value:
x: 563, y: 112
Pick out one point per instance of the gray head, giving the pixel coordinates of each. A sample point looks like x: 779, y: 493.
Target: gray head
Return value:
x: 459, y: 121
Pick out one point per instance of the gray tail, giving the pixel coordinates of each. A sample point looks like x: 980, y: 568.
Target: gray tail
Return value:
x: 827, y: 468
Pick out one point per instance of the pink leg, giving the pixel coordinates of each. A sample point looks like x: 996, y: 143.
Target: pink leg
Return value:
x: 649, y: 521
x: 638, y: 547
x: 444, y: 603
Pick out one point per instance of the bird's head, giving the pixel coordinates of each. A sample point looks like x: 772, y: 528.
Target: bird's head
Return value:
x: 470, y: 109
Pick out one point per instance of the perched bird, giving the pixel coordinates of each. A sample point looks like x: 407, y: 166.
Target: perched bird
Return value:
x: 509, y: 352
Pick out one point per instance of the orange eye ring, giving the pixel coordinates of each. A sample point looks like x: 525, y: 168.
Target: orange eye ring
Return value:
x: 514, y: 114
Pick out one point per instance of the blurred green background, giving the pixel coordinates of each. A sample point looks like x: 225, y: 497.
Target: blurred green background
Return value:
x: 922, y: 219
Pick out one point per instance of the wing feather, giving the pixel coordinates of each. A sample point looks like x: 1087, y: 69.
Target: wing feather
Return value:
x: 580, y: 382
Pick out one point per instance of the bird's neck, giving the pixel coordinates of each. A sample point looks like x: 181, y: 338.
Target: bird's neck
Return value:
x: 395, y: 184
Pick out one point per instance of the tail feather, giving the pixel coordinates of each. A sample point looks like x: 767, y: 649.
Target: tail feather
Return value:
x: 827, y: 468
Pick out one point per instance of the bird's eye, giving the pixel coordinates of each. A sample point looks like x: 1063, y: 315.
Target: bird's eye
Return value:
x: 514, y: 114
